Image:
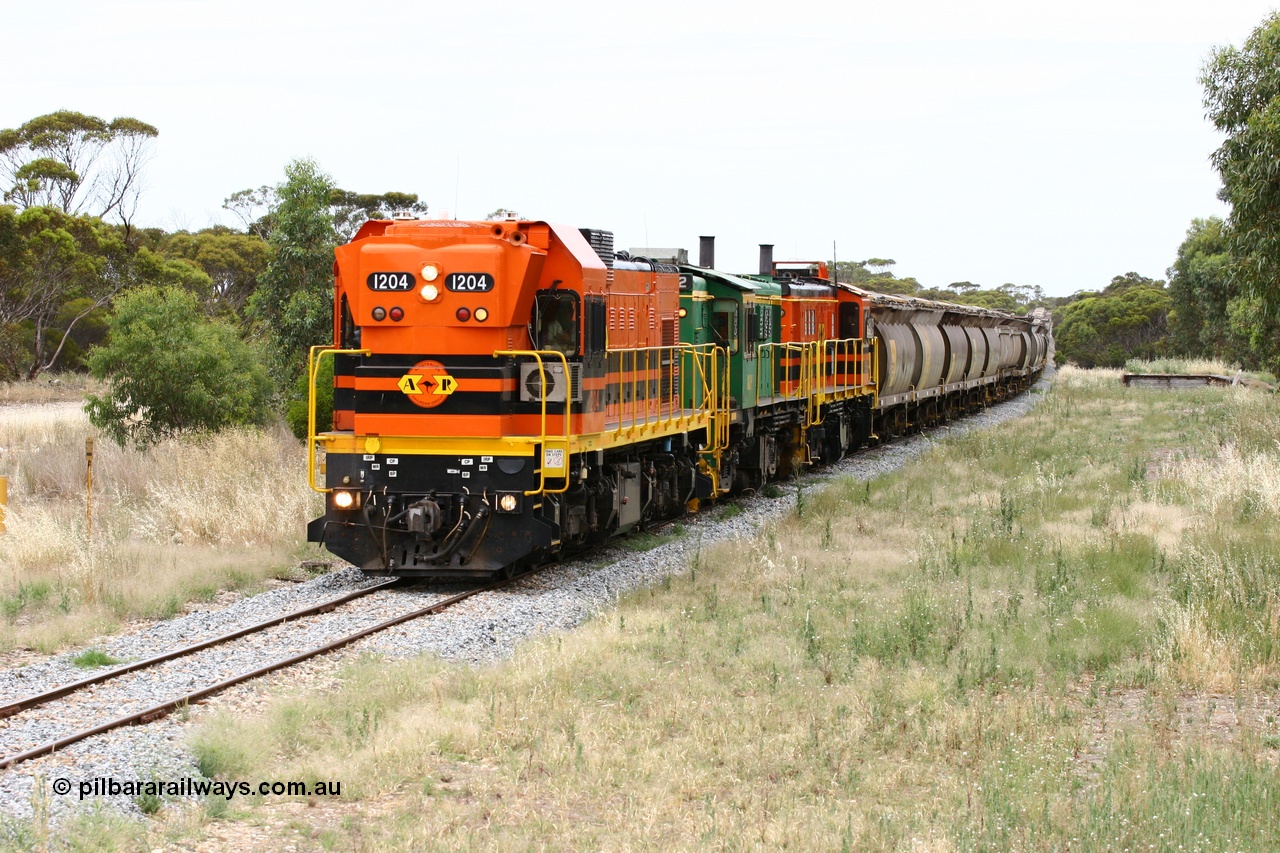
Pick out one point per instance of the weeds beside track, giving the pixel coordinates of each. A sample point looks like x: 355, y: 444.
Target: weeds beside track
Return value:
x: 178, y: 523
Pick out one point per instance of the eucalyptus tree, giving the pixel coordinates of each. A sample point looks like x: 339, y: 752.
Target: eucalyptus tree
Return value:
x: 292, y: 307
x: 304, y: 218
x: 1127, y: 319
x: 232, y: 261
x: 55, y: 270
x: 77, y: 163
x: 1242, y: 99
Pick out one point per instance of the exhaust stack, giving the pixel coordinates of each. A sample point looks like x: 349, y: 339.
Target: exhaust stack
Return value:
x: 766, y: 259
x: 707, y: 252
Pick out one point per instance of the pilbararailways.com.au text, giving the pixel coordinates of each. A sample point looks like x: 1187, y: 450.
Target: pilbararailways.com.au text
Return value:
x: 189, y: 787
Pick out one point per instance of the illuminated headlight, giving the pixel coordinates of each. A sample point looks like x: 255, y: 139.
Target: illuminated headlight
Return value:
x: 508, y: 502
x: 430, y: 272
x: 430, y: 292
x: 344, y: 500
x: 683, y: 312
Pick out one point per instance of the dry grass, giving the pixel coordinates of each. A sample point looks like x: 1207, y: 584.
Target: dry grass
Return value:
x: 995, y: 648
x: 1231, y: 482
x: 49, y: 388
x: 1075, y: 378
x: 1196, y: 366
x: 174, y: 524
x: 1181, y: 365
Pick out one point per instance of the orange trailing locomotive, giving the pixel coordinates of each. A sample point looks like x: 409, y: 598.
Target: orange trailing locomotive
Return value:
x: 506, y: 392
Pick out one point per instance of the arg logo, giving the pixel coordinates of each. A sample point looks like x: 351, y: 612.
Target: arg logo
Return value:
x: 427, y: 384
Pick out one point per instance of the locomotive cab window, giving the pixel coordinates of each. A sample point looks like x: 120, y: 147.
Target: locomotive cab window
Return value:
x: 849, y: 320
x: 348, y: 331
x: 556, y: 322
x: 724, y: 324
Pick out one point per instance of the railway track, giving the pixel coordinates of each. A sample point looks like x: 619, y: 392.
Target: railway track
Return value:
x: 156, y: 711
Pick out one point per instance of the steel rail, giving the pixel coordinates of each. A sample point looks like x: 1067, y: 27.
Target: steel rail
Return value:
x: 157, y: 711
x: 67, y: 689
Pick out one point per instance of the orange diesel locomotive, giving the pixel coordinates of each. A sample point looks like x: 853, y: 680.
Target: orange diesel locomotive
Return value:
x: 502, y: 393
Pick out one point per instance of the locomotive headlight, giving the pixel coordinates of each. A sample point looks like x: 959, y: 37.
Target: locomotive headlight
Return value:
x: 430, y: 272
x: 508, y: 502
x: 481, y: 314
x: 683, y: 312
x: 430, y: 292
x: 344, y: 500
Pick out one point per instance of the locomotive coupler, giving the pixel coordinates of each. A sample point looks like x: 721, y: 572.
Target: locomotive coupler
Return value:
x: 424, y: 517
x: 470, y: 528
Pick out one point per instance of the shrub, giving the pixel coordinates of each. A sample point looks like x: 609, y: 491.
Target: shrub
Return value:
x: 171, y: 370
x: 296, y: 408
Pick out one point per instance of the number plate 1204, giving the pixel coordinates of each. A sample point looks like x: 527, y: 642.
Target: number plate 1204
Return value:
x: 469, y: 282
x: 393, y: 281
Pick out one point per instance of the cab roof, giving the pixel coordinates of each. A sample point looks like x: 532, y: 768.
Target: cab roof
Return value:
x: 733, y: 281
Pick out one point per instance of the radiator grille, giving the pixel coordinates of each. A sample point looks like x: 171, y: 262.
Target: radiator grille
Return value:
x: 602, y: 243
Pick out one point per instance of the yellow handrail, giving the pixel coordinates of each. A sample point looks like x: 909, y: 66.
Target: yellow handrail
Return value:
x: 634, y: 413
x: 314, y: 357
x: 703, y: 385
x: 818, y: 389
x: 875, y: 373
x: 775, y: 364
x: 832, y: 376
x: 698, y: 365
x: 817, y: 379
x: 716, y: 400
x: 720, y: 403
x: 543, y: 439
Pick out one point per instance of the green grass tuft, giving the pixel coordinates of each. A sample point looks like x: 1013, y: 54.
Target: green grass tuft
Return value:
x: 94, y: 658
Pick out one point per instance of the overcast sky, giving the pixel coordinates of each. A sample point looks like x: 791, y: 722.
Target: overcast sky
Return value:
x: 986, y: 141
